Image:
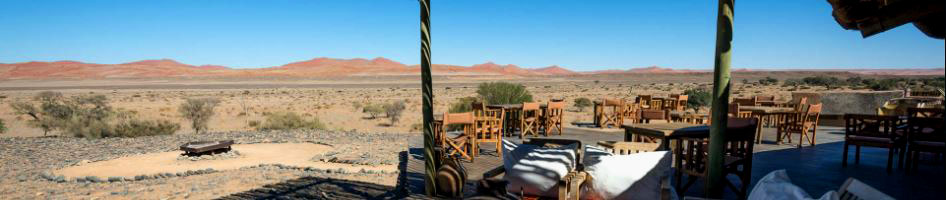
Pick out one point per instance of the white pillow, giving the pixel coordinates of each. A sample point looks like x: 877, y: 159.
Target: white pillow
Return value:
x: 777, y: 186
x: 535, y: 170
x: 634, y: 176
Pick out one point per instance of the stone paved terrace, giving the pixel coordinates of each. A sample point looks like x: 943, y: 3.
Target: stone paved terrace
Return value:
x: 816, y: 169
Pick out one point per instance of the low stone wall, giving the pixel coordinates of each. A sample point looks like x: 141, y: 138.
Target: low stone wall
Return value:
x: 853, y: 102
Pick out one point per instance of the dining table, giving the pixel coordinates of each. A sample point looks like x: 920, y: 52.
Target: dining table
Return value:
x: 665, y: 132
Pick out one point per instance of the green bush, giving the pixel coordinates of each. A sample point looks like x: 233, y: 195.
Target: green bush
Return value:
x: 768, y: 81
x: 828, y: 82
x: 582, y: 103
x: 503, y: 93
x: 698, y: 98
x: 792, y: 83
x: 290, y: 121
x: 394, y: 110
x: 464, y: 104
x: 3, y: 127
x: 199, y: 112
x: 135, y: 128
x: 884, y: 84
x: 373, y: 109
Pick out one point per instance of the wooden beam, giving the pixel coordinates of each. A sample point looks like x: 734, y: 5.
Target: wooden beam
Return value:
x: 721, y: 83
x: 430, y: 160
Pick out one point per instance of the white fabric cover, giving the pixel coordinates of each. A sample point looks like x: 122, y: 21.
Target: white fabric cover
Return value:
x: 777, y: 186
x: 536, y: 170
x: 634, y: 176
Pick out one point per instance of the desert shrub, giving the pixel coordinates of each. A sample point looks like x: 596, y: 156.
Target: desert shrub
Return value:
x: 464, y: 104
x: 373, y: 109
x: 855, y: 81
x: 768, y: 81
x: 829, y: 82
x: 290, y: 121
x: 582, y: 103
x: 135, y: 128
x: 698, y: 98
x: 394, y: 110
x: 883, y: 84
x: 503, y: 93
x: 3, y: 127
x: 791, y: 83
x: 198, y: 112
x: 357, y: 105
x: 253, y: 123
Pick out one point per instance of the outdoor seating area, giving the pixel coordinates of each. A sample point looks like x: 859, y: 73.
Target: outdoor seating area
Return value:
x: 486, y: 141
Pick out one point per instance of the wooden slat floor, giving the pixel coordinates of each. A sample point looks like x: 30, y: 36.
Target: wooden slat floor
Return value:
x: 817, y: 169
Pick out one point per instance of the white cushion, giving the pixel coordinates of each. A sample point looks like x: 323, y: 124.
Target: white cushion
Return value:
x: 777, y: 186
x: 634, y: 176
x: 535, y: 170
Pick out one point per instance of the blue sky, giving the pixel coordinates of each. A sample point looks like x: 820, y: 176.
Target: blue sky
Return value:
x: 580, y: 35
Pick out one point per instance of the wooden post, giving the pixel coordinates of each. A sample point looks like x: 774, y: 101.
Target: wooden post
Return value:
x: 430, y: 164
x: 721, y: 83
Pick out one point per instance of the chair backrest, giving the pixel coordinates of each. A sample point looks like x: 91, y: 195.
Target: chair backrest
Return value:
x: 458, y: 118
x: 683, y: 97
x: 626, y: 148
x: 529, y: 106
x: 555, y: 109
x: 765, y: 98
x: 478, y: 109
x: 644, y: 99
x: 740, y: 136
x: 813, y: 113
x: 801, y: 104
x: 744, y: 101
x: 734, y: 109
x: 870, y: 125
x: 926, y: 129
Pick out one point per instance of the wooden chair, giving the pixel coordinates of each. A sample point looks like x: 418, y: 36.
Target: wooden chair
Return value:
x: 529, y: 119
x: 691, y: 156
x: 751, y: 101
x: 802, y: 124
x: 616, y: 115
x: 735, y: 112
x: 681, y: 101
x: 553, y: 116
x: 632, y: 112
x: 765, y: 100
x: 569, y: 187
x: 924, y: 134
x: 872, y: 131
x: 488, y: 127
x: 462, y: 144
x: 644, y: 101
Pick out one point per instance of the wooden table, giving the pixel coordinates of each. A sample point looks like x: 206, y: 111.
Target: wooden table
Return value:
x: 664, y: 132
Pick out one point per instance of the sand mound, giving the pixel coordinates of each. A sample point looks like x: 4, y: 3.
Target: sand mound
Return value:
x: 292, y: 154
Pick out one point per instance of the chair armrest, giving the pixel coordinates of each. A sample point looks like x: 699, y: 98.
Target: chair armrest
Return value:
x: 494, y: 173
x: 569, y: 188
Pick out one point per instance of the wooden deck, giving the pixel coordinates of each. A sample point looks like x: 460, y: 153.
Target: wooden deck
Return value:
x: 817, y: 169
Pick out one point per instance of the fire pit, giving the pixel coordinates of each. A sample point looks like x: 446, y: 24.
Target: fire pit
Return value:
x: 206, y: 147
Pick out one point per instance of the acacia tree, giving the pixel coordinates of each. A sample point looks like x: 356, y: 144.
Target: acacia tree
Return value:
x: 42, y: 114
x: 198, y: 111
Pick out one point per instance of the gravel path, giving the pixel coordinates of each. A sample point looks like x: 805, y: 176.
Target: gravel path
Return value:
x: 25, y: 160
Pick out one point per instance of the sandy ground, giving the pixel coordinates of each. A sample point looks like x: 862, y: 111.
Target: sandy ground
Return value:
x: 291, y: 154
x: 334, y: 103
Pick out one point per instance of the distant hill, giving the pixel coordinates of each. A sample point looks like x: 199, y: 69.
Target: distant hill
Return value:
x: 329, y: 67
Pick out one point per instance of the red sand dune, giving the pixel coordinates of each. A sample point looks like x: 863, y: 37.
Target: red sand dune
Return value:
x: 323, y: 67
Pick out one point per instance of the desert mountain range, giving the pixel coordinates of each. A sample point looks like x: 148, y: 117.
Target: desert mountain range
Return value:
x: 322, y: 67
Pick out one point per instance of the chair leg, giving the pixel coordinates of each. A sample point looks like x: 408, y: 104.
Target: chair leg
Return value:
x: 890, y: 160
x: 857, y: 154
x: 844, y: 156
x: 900, y: 150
